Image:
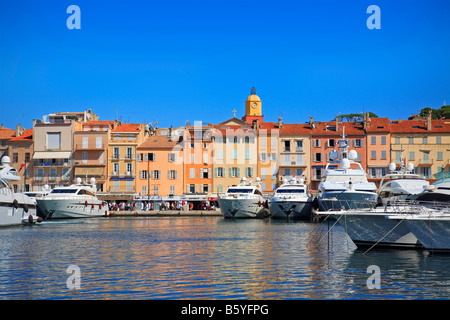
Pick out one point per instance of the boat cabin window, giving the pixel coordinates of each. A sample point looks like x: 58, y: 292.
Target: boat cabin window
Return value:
x: 290, y: 191
x: 342, y: 178
x: 64, y: 191
x: 239, y: 190
x: 82, y: 191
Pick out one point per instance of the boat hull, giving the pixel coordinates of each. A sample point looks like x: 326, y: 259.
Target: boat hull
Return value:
x: 347, y: 200
x: 283, y: 209
x: 23, y: 212
x: 69, y: 209
x: 433, y: 234
x: 241, y: 208
x: 370, y: 228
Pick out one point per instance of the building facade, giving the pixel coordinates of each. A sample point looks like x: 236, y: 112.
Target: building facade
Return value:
x: 21, y: 151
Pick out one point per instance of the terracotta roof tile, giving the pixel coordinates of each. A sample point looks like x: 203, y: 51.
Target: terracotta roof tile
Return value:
x: 158, y: 142
x: 27, y: 135
x: 128, y: 127
x: 419, y: 126
x: 6, y: 133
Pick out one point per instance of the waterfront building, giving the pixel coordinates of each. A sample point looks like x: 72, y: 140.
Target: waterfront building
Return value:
x: 53, y: 148
x: 5, y: 135
x: 90, y: 154
x: 20, y: 152
x: 294, y: 152
x: 378, y: 147
x: 324, y: 138
x: 268, y: 159
x: 197, y: 158
x: 423, y: 142
x: 122, y: 152
x: 160, y: 167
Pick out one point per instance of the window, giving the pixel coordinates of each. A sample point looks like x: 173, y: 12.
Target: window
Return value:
x: 144, y: 190
x: 287, y: 159
x: 317, y: 157
x: 317, y: 173
x: 156, y: 174
x: 249, y: 172
x: 15, y: 157
x: 263, y: 173
x: 116, y: 153
x: 65, y: 174
x: 234, y: 172
x: 425, y: 172
x: 424, y: 140
x: 85, y: 157
x: 52, y: 174
x: 85, y: 142
x: 220, y: 172
x: 273, y: 144
x: 397, y: 140
x: 151, y: 157
x: 383, y: 140
x: 373, y: 140
x: 54, y: 141
x: 247, y: 154
x: 357, y: 143
x: 299, y: 159
x: 219, y: 154
x: 98, y: 142
x: 172, y: 157
x: 439, y: 156
x: 96, y: 128
x: 143, y: 175
x: 426, y: 156
x: 438, y: 140
x: 412, y: 155
x: 192, y: 173
x: 129, y: 185
x: 234, y: 154
x: 115, y: 185
x: 411, y: 140
x: 100, y: 157
x: 398, y: 156
x: 316, y: 143
x: 115, y: 169
x: 155, y: 190
x: 287, y: 172
x: 299, y: 145
x: 172, y: 174
x: 192, y: 157
x: 191, y: 188
x: 331, y: 143
x: 129, y: 168
x: 219, y: 188
x: 129, y: 153
x: 287, y: 146
x: 205, y: 173
x: 205, y: 158
x: 373, y: 155
x: 383, y: 155
x: 27, y: 157
x: 172, y: 190
x: 263, y: 143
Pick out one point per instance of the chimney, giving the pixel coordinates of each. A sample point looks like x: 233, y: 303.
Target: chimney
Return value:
x: 429, y: 127
x: 280, y: 122
x: 337, y: 123
x: 311, y: 123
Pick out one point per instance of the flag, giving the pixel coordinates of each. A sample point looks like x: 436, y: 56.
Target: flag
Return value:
x: 21, y: 167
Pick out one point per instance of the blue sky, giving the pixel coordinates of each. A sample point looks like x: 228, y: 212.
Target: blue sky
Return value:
x: 173, y: 61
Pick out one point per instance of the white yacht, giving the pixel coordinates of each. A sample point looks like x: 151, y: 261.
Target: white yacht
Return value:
x: 291, y: 201
x: 243, y: 201
x: 75, y: 201
x: 15, y: 208
x: 436, y: 192
x: 345, y: 183
x: 400, y: 185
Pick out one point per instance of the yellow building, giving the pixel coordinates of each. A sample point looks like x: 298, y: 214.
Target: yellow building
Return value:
x: 425, y: 143
x: 122, y: 156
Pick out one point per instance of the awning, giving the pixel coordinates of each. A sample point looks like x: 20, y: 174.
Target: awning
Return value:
x: 52, y: 155
x: 424, y: 164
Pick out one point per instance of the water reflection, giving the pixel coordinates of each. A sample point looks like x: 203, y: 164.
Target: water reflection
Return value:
x: 207, y: 258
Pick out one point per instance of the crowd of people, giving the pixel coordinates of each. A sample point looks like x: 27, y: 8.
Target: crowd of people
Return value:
x: 165, y: 205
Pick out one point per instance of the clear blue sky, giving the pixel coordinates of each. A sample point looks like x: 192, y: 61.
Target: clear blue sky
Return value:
x: 173, y: 61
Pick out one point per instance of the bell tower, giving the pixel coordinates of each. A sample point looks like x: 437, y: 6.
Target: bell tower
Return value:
x: 253, y: 108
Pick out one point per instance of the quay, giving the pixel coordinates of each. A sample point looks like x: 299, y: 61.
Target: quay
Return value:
x: 167, y: 213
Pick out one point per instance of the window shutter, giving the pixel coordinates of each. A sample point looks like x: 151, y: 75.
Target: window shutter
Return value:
x: 215, y: 172
x: 238, y: 172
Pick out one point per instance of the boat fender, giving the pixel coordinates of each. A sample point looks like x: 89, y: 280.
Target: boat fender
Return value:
x: 259, y: 203
x: 106, y: 213
x: 100, y: 206
x: 39, y: 219
x: 25, y: 207
x: 85, y: 203
x: 30, y: 219
x: 93, y: 206
x: 16, y: 203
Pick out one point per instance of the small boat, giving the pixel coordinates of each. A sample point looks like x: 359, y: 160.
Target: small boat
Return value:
x: 75, y: 201
x: 400, y: 185
x: 15, y: 208
x: 291, y: 201
x: 243, y: 201
x: 345, y: 184
x: 436, y: 192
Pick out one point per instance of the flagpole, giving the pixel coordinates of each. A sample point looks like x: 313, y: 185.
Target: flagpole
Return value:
x: 25, y: 176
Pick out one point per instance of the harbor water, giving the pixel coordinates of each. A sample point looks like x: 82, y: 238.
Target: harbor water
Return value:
x: 208, y: 258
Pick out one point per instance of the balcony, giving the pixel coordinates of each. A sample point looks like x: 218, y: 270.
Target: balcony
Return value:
x: 89, y: 147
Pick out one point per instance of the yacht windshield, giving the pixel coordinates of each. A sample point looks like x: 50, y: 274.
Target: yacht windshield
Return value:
x: 239, y: 190
x: 64, y: 191
x: 290, y: 191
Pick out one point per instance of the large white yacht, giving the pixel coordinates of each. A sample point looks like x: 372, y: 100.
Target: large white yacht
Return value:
x: 436, y: 192
x: 243, y: 201
x: 345, y: 184
x: 400, y: 185
x: 75, y: 201
x: 15, y: 208
x: 291, y: 201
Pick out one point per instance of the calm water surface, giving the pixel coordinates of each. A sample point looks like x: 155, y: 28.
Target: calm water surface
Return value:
x: 207, y: 258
